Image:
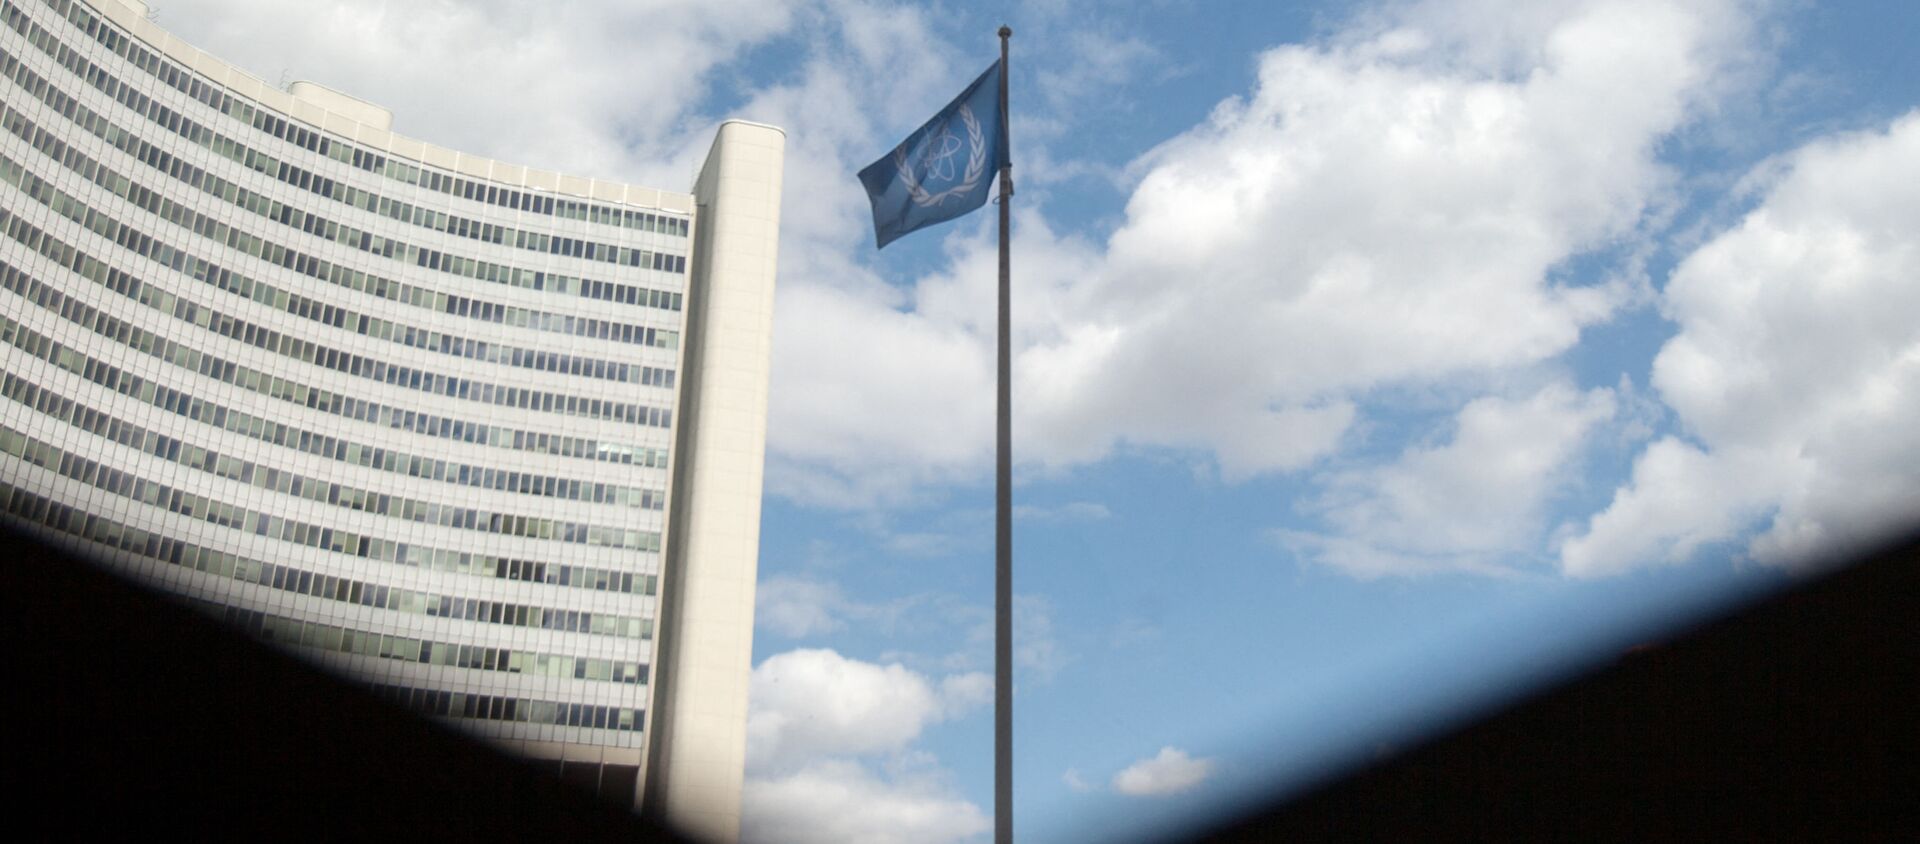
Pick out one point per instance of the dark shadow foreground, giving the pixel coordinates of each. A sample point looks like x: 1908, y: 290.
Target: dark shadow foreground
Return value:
x: 131, y: 717
x: 1794, y: 719
x: 1797, y: 719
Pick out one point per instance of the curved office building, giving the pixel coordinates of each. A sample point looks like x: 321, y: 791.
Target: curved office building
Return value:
x: 485, y: 436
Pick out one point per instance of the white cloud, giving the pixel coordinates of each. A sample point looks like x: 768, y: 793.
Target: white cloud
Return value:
x: 966, y: 692
x: 1387, y: 205
x: 1470, y: 504
x: 1171, y: 772
x: 1678, y: 500
x: 1381, y: 209
x: 880, y: 393
x: 796, y: 607
x: 1085, y: 84
x: 1795, y: 372
x: 842, y: 802
x: 593, y: 87
x: 830, y: 752
x: 1394, y: 204
x: 1036, y: 650
x: 811, y: 704
x: 1098, y: 63
x: 1035, y: 647
x: 1075, y: 782
x: 848, y: 426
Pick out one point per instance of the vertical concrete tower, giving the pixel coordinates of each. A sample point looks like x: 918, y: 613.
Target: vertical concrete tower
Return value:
x: 713, y: 543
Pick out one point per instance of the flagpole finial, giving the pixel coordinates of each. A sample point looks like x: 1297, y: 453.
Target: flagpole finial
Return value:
x: 1006, y: 31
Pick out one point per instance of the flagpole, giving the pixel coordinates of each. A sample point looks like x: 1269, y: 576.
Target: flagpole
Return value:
x: 1003, y: 517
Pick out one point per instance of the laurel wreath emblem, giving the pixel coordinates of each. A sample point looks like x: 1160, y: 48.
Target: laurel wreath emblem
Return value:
x: 976, y: 166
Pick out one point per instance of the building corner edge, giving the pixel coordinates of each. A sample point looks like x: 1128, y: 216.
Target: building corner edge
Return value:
x: 696, y: 752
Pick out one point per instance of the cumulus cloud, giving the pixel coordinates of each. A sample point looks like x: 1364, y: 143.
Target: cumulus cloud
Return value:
x: 1171, y: 772
x: 855, y: 428
x: 1383, y: 208
x: 830, y: 751
x: 1795, y: 372
x: 842, y: 802
x: 1392, y: 204
x: 808, y: 704
x: 1472, y: 503
x: 593, y: 87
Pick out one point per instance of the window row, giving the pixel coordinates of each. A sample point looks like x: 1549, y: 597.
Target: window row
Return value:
x: 333, y: 448
x: 132, y: 487
x: 318, y: 490
x: 128, y: 384
x: 267, y: 121
x: 272, y: 296
x: 346, y: 590
x: 346, y: 640
x: 287, y: 346
x: 440, y: 221
x: 40, y: 511
x: 59, y: 516
x: 100, y: 529
x: 162, y: 206
x: 125, y: 484
x: 267, y: 294
x: 494, y: 708
x: 340, y: 275
x: 320, y: 185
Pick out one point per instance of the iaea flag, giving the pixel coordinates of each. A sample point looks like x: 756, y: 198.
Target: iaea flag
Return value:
x: 945, y: 168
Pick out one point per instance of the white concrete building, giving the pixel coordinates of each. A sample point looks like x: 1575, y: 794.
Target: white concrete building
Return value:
x: 486, y: 436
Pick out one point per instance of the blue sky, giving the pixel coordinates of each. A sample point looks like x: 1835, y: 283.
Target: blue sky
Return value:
x: 1374, y: 361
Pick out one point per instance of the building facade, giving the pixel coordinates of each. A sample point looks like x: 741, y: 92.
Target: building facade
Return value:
x: 487, y: 437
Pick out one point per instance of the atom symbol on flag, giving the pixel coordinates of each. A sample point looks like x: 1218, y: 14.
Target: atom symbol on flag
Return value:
x: 933, y: 158
x: 942, y: 150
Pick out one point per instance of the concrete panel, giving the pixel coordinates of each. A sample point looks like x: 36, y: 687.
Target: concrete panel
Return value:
x: 372, y: 137
x: 473, y: 166
x: 342, y: 126
x: 306, y: 112
x: 406, y: 147
x: 699, y: 744
x: 643, y: 197
x: 440, y: 157
x: 343, y: 104
x: 245, y: 84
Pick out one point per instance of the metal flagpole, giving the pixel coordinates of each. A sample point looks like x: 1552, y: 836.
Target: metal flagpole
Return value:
x: 1003, y: 517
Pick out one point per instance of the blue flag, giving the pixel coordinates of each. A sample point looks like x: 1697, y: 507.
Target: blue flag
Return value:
x: 945, y: 168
